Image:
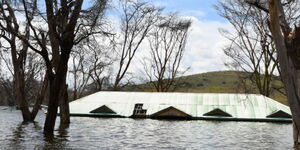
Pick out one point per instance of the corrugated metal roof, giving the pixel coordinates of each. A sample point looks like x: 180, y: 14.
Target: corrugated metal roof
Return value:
x: 251, y: 106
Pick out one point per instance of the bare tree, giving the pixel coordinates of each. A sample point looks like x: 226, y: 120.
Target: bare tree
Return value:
x: 33, y: 74
x: 251, y: 47
x: 19, y: 50
x: 78, y: 72
x: 167, y: 44
x: 286, y: 39
x: 6, y: 74
x: 67, y: 24
x: 137, y: 20
x: 100, y: 70
x: 90, y: 67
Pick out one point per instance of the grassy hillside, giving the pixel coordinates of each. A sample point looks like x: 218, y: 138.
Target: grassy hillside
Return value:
x: 214, y: 82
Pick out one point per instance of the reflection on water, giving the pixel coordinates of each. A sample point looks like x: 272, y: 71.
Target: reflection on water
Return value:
x: 128, y: 134
x: 19, y: 133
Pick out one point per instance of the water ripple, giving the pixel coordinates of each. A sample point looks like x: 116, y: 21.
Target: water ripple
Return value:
x: 131, y: 134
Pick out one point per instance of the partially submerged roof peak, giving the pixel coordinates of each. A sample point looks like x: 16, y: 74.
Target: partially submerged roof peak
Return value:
x: 171, y: 113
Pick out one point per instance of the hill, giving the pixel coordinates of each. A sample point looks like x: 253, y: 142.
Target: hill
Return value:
x: 215, y: 82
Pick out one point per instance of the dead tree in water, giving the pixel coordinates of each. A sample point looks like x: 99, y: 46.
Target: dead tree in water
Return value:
x: 67, y: 24
x: 19, y: 51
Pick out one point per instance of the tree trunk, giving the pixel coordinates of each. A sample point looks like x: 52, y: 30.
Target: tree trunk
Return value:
x: 116, y: 84
x: 23, y: 105
x: 52, y: 108
x: 19, y: 82
x: 296, y: 115
x: 57, y: 85
x: 64, y: 107
x: 289, y: 74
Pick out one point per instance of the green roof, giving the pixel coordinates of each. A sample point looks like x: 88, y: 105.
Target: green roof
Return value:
x: 239, y: 106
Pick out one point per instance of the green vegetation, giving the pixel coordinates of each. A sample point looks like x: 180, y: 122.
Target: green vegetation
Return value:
x: 215, y: 82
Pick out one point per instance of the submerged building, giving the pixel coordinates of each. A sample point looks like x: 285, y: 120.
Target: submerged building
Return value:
x: 240, y: 107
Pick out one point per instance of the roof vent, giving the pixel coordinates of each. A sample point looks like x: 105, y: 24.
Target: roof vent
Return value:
x: 103, y: 109
x: 218, y: 113
x: 279, y: 114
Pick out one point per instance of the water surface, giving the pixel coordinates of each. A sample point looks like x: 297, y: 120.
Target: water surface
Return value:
x: 129, y: 134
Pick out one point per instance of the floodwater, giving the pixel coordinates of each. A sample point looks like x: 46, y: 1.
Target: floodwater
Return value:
x: 136, y: 134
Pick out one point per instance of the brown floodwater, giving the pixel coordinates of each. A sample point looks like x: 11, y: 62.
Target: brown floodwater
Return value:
x: 135, y: 134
